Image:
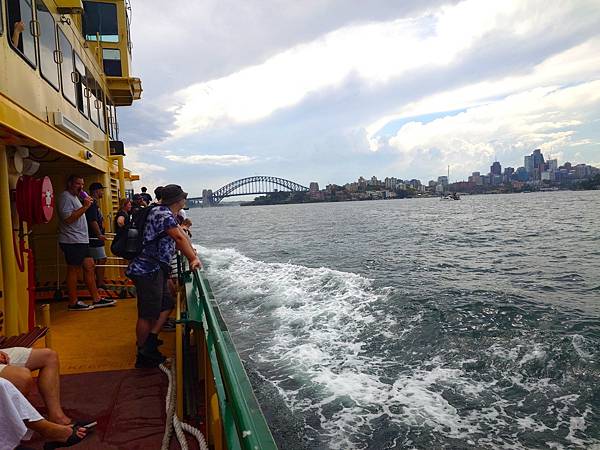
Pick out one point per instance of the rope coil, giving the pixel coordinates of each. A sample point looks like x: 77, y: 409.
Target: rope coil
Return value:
x: 173, y: 422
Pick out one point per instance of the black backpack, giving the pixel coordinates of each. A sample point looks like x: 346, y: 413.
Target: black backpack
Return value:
x: 129, y: 243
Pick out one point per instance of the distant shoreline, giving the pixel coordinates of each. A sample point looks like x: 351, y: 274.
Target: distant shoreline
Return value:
x: 465, y: 194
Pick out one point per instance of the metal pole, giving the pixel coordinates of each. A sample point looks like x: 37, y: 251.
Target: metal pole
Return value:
x: 9, y: 270
x: 46, y: 322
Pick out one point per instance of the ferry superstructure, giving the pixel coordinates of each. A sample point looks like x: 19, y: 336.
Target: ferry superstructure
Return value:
x: 64, y: 72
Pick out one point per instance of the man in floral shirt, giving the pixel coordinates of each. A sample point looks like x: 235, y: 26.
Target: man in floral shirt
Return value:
x: 149, y: 271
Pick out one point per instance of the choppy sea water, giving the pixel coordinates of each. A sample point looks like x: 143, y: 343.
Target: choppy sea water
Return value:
x: 416, y: 323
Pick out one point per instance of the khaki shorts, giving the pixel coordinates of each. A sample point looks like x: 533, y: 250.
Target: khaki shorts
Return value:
x: 17, y: 356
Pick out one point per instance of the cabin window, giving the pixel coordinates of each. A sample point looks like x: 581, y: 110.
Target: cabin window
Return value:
x: 81, y: 89
x: 91, y: 85
x: 47, y: 43
x: 1, y: 21
x: 21, y: 25
x: 100, y: 19
x: 115, y: 123
x: 109, y: 119
x: 67, y: 68
x: 101, y: 113
x: 112, y: 62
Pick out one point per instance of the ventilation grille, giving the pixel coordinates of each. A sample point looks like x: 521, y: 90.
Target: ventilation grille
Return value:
x: 114, y: 194
x: 67, y: 125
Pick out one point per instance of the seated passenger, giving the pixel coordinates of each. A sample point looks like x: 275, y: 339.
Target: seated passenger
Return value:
x: 18, y: 418
x: 16, y: 364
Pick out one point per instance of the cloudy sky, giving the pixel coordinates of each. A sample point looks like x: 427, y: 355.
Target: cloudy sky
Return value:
x: 330, y: 90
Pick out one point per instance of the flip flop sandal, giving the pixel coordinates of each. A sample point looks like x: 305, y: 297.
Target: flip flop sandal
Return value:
x: 72, y: 440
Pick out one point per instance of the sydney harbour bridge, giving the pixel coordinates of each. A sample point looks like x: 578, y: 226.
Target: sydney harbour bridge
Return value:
x: 256, y: 185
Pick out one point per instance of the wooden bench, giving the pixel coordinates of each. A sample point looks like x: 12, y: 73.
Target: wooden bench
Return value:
x: 22, y: 340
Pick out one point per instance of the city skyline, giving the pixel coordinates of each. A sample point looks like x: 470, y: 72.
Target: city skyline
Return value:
x: 317, y: 91
x: 392, y: 182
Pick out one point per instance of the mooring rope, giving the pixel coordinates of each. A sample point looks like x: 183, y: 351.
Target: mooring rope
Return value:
x: 173, y: 422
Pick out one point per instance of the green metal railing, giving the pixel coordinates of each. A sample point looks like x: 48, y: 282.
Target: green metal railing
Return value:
x: 244, y: 426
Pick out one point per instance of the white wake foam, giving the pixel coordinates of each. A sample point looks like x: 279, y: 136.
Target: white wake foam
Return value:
x: 315, y: 331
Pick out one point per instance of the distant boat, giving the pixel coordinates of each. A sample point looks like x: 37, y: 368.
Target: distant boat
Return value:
x: 453, y: 196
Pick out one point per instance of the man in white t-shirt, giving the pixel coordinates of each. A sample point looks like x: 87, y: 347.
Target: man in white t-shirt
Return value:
x: 74, y: 240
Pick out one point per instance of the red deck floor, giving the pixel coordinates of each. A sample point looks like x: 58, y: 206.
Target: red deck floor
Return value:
x: 129, y: 406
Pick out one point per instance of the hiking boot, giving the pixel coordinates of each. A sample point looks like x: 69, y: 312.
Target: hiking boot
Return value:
x: 144, y: 362
x: 80, y: 306
x: 104, y: 302
x: 150, y: 349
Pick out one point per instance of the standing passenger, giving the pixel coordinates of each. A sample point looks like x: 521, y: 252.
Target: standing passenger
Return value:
x: 145, y: 196
x: 123, y: 217
x: 73, y: 239
x: 95, y: 221
x: 157, y: 194
x: 122, y: 222
x: 137, y: 204
x: 150, y: 272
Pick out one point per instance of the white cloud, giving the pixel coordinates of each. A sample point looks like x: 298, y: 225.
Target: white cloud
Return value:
x: 140, y: 166
x: 575, y: 65
x: 547, y: 118
x: 134, y: 163
x: 375, y: 53
x: 214, y: 160
x: 310, y: 97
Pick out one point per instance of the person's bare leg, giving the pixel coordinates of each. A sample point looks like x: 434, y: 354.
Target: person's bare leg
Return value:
x: 142, y: 330
x: 100, y: 272
x: 172, y: 287
x: 72, y: 283
x: 20, y: 377
x: 46, y: 360
x: 53, y: 431
x: 89, y: 276
x: 162, y: 318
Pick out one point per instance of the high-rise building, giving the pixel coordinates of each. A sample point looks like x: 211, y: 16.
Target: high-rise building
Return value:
x: 496, y: 168
x: 528, y: 164
x: 508, y: 173
x: 552, y: 165
x: 583, y: 171
x: 362, y: 184
x: 521, y: 174
x: 415, y: 183
x: 314, y: 186
x: 443, y: 180
x: 538, y: 160
x: 475, y: 178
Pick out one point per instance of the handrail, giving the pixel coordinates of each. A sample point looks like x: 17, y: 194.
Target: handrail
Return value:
x: 244, y: 424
